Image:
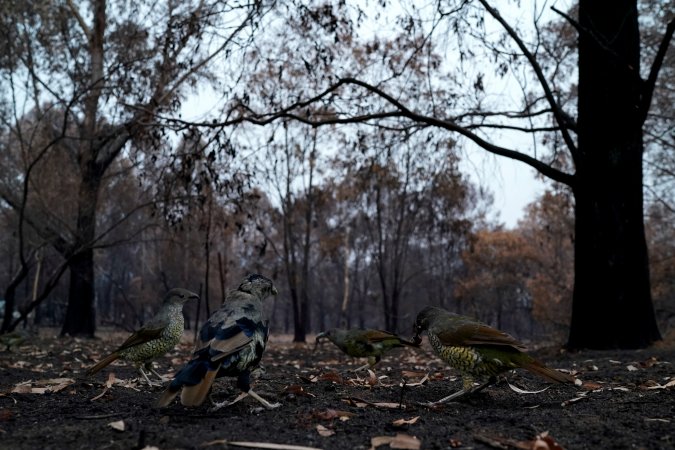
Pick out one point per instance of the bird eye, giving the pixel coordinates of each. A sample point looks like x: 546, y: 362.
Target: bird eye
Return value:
x: 182, y: 295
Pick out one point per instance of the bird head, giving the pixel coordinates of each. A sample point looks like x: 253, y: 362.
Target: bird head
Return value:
x: 179, y: 296
x: 329, y: 334
x: 422, y: 322
x: 258, y: 285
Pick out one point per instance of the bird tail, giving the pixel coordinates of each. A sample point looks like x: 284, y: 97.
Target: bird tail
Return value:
x: 195, y: 379
x: 552, y: 375
x: 167, y: 397
x: 103, y: 363
x: 195, y: 395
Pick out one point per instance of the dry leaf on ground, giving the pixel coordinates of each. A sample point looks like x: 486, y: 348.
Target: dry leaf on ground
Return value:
x: 400, y: 441
x: 323, y: 431
x: 401, y: 422
x: 264, y: 445
x: 117, y: 425
x: 298, y: 390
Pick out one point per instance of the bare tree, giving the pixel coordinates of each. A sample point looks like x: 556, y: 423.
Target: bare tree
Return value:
x: 603, y: 147
x: 113, y: 71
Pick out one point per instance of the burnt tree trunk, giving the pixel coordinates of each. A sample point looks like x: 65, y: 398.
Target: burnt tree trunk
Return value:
x: 612, y: 304
x: 80, y: 314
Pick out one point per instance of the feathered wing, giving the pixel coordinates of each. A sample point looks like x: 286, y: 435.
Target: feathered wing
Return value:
x: 143, y: 335
x: 382, y: 335
x: 466, y: 333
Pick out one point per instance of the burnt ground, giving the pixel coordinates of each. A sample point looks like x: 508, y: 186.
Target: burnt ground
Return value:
x: 45, y: 402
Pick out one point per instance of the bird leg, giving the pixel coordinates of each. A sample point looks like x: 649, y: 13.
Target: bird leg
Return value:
x: 149, y: 367
x: 216, y: 405
x: 265, y: 403
x: 468, y: 388
x: 262, y: 401
x: 372, y: 360
x: 150, y: 383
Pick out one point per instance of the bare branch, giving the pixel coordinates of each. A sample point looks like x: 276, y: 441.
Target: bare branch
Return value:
x: 558, y: 113
x: 79, y: 18
x: 650, y: 83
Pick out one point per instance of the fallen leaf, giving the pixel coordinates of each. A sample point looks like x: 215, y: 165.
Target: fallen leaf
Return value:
x: 117, y: 425
x: 22, y: 388
x: 591, y: 385
x: 333, y: 377
x: 544, y: 442
x: 454, y: 443
x: 323, y: 431
x: 419, y: 383
x: 656, y: 385
x: 522, y: 391
x: 331, y: 414
x: 649, y: 362
x: 401, y: 441
x: 580, y: 396
x: 265, y: 445
x: 631, y: 368
x: 401, y: 422
x: 110, y: 381
x: 298, y: 390
x: 412, y: 374
x: 360, y: 403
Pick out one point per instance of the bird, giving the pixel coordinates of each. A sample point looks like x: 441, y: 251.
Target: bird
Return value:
x: 477, y: 350
x: 14, y: 339
x: 361, y: 343
x: 231, y: 343
x: 155, y: 338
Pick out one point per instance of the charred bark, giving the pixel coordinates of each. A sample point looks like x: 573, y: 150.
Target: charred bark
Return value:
x: 612, y: 304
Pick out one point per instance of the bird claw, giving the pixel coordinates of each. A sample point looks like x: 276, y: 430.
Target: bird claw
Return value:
x: 272, y: 405
x: 217, y: 406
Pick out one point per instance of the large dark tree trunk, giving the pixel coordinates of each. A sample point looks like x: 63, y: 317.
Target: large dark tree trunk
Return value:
x: 612, y: 305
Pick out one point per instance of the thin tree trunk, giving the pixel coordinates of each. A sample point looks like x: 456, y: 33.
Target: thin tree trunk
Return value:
x: 345, y: 282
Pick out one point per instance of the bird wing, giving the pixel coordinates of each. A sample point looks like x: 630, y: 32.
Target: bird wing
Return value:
x: 477, y: 334
x: 228, y: 330
x: 379, y: 335
x: 145, y: 334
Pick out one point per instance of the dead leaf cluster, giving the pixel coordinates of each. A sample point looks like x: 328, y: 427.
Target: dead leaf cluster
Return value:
x: 400, y: 441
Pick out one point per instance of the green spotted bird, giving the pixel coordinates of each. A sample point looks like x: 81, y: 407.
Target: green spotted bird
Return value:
x: 477, y: 350
x: 155, y: 338
x: 231, y: 343
x: 361, y: 343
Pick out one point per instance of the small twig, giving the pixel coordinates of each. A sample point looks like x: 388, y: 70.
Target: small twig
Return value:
x: 97, y: 416
x: 400, y: 400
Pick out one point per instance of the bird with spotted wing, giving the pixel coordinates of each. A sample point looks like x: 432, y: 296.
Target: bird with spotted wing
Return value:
x: 155, y: 338
x: 477, y: 350
x: 231, y: 343
x: 361, y: 343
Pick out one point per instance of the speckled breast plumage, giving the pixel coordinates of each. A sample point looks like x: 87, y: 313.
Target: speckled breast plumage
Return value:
x: 467, y: 360
x: 158, y: 347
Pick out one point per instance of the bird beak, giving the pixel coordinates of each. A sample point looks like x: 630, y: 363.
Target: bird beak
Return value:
x: 319, y: 337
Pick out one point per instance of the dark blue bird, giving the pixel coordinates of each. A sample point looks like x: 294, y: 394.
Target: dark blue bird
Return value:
x: 231, y: 343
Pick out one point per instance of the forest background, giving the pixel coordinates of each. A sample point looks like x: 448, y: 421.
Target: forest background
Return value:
x: 331, y: 155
